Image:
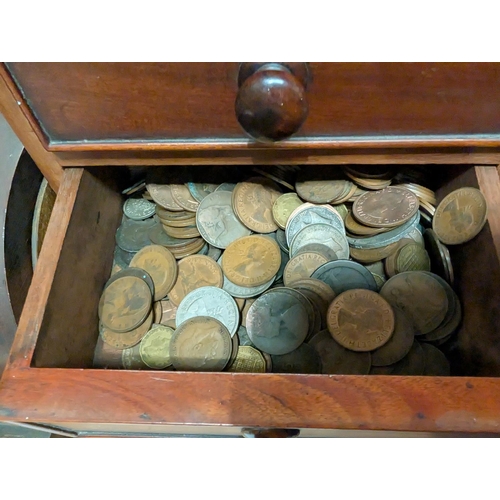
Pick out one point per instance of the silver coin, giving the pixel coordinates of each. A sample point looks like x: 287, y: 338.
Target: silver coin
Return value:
x: 138, y: 208
x: 303, y: 360
x: 342, y: 275
x: 277, y: 322
x: 281, y: 240
x: 309, y: 214
x: 159, y: 237
x: 217, y: 222
x: 226, y: 186
x: 132, y: 235
x: 214, y: 252
x: 324, y: 234
x: 323, y: 250
x: 200, y: 191
x: 123, y: 258
x: 416, y: 235
x: 209, y: 301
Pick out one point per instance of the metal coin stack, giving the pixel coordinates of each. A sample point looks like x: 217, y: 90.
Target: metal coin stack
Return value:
x: 292, y: 271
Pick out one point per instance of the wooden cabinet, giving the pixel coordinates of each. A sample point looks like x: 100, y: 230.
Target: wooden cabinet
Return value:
x: 398, y: 114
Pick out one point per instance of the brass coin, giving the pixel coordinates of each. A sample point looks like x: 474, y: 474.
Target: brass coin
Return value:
x: 304, y: 359
x: 170, y: 216
x: 283, y: 208
x: 195, y: 272
x: 182, y: 232
x: 390, y: 260
x: 127, y: 339
x: 412, y: 257
x: 251, y: 261
x: 342, y: 210
x: 157, y: 312
x: 162, y: 195
x: 161, y: 266
x: 125, y: 304
x: 155, y: 347
x: 302, y: 266
x: 182, y: 197
x: 253, y: 204
x: 460, y: 216
x: 248, y: 360
x: 368, y: 256
x: 360, y: 320
x: 201, y: 344
x: 169, y: 311
x: 131, y: 358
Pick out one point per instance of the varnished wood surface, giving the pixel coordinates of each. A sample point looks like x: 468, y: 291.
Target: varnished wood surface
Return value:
x: 191, y: 105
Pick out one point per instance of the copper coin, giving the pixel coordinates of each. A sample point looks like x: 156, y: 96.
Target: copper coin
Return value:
x: 439, y: 264
x: 304, y: 359
x: 302, y: 266
x: 248, y: 360
x: 389, y: 207
x: 127, y: 339
x: 342, y: 275
x: 182, y: 197
x: 353, y: 226
x: 182, y: 232
x: 158, y: 236
x: 323, y: 188
x: 131, y: 359
x: 317, y: 286
x: 162, y: 195
x: 460, y: 216
x: 155, y: 347
x: 412, y: 364
x: 132, y: 235
x: 157, y: 312
x: 244, y: 313
x: 169, y: 311
x: 368, y: 256
x: 170, y: 216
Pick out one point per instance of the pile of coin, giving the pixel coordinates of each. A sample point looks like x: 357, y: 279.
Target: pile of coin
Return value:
x: 292, y: 271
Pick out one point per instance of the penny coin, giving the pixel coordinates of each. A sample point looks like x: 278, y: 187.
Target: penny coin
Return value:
x: 323, y: 234
x: 245, y: 292
x: 155, y: 347
x: 389, y: 207
x: 251, y: 261
x: 106, y: 356
x: 323, y: 250
x: 460, y: 216
x: 427, y: 208
x: 127, y: 339
x: 353, y: 226
x: 360, y: 320
x: 370, y: 171
x: 125, y: 304
x: 436, y: 364
x: 200, y: 191
x: 244, y: 313
x: 342, y: 275
x: 173, y: 217
x: 132, y: 235
x: 157, y: 312
x: 162, y: 195
x: 248, y: 360
x: 317, y: 286
x: 158, y: 236
x: 336, y: 359
x: 412, y: 257
x: 243, y: 336
x: 201, y: 344
x: 131, y: 358
x: 183, y: 197
x: 134, y: 272
x: 226, y: 186
x: 281, y: 240
x: 302, y: 266
x: 420, y: 296
x: 378, y: 272
x: 123, y: 258
x: 181, y: 252
x: 304, y: 359
x: 283, y: 208
x: 138, y: 208
x: 435, y: 249
x: 412, y: 364
x: 399, y: 344
x: 450, y: 277
x: 367, y: 256
x: 322, y: 189
x: 253, y: 204
x: 317, y: 313
x: 277, y: 322
x: 213, y: 302
x: 161, y: 266
x: 234, y: 349
x: 168, y: 311
x: 217, y: 222
x: 342, y: 210
x: 279, y: 175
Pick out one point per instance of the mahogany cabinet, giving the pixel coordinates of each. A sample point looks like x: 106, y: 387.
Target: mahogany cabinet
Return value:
x: 90, y: 126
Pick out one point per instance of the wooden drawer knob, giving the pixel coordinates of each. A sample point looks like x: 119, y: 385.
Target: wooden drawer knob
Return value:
x: 271, y: 103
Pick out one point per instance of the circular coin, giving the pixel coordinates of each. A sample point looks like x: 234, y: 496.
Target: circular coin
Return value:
x: 436, y: 364
x: 412, y: 364
x: 343, y: 275
x: 132, y: 235
x: 438, y: 258
x: 281, y: 240
x: 131, y: 359
x: 138, y: 208
x: 412, y: 257
x: 304, y: 359
x: 320, y: 190
x: 243, y: 336
x: 183, y: 197
x: 162, y: 195
x: 135, y: 272
x: 283, y: 208
x: 248, y: 360
x: 127, y: 339
x: 200, y: 191
x: 155, y: 347
x: 302, y: 266
x: 323, y: 234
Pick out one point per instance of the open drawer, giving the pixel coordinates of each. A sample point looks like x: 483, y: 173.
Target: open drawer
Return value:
x: 49, y: 378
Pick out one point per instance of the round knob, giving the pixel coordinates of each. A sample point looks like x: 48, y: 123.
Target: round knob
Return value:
x: 271, y: 104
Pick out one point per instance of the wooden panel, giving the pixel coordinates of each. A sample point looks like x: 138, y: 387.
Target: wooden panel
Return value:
x: 191, y: 105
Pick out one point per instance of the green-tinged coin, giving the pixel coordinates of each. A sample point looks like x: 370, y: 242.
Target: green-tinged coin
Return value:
x: 155, y: 347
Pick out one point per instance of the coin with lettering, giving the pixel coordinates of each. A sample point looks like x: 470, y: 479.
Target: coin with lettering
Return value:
x: 199, y: 191
x: 248, y: 360
x: 182, y: 197
x: 323, y: 250
x: 161, y: 266
x: 135, y: 272
x: 155, y: 347
x: 360, y: 320
x: 201, y: 344
x: 322, y: 188
x: 412, y: 257
x: 342, y: 275
x: 284, y: 206
x: 460, y: 216
x: 217, y: 222
x: 251, y: 260
x: 323, y: 234
x: 162, y: 195
x: 302, y: 266
x: 194, y: 272
x: 304, y: 359
x: 138, y: 208
x: 126, y: 339
x: 132, y: 235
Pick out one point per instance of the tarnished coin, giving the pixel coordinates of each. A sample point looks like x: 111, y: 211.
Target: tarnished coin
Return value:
x: 195, y: 271
x: 155, y: 347
x: 389, y: 207
x: 412, y: 257
x: 243, y: 336
x: 158, y: 236
x: 420, y: 296
x: 167, y: 216
x: 106, y: 356
x: 437, y: 252
x: 183, y: 232
x: 135, y: 272
x: 213, y: 302
x: 239, y: 302
x: 367, y: 256
x: 412, y: 364
x: 281, y: 240
x: 214, y: 253
x: 302, y: 266
x: 200, y: 191
x: 123, y: 258
x: 324, y: 235
x: 323, y: 250
x: 226, y: 186
x: 342, y: 210
x: 251, y: 261
x: 304, y: 359
x: 183, y: 197
x: 168, y: 311
x: 245, y: 292
x: 253, y: 203
x: 336, y: 359
x: 138, y: 208
x: 460, y: 216
x: 201, y: 344
x: 161, y: 266
x: 436, y: 364
x: 378, y: 272
x: 317, y: 286
x: 244, y: 313
x: 125, y: 304
x: 323, y: 188
x: 354, y: 227
x: 360, y: 320
x: 132, y: 235
x: 162, y: 195
x: 126, y: 339
x: 283, y: 208
x: 248, y: 360
x: 131, y: 358
x: 234, y: 350
x: 216, y: 221
x: 157, y: 312
x: 277, y: 322
x: 342, y: 275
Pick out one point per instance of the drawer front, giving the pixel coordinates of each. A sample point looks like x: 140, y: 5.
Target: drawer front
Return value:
x: 193, y: 104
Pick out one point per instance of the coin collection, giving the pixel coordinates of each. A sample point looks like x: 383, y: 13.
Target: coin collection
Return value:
x: 287, y: 270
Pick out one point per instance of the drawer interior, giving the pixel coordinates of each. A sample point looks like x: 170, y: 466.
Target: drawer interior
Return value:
x: 69, y: 330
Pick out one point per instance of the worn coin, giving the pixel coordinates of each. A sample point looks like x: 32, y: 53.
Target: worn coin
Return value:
x: 131, y: 358
x: 323, y: 250
x: 123, y: 258
x: 336, y: 359
x: 248, y: 360
x: 138, y: 208
x: 183, y: 197
x: 158, y: 236
x: 251, y: 261
x: 244, y: 313
x: 277, y: 322
x: 213, y: 302
x: 302, y: 266
x: 420, y: 296
x: 460, y: 216
x: 412, y: 257
x: 217, y: 222
x: 226, y: 186
x: 412, y: 364
x: 195, y: 271
x: 182, y: 232
x: 162, y: 195
x: 168, y: 311
x: 436, y: 364
x: 155, y: 347
x: 170, y: 217
x: 134, y: 272
x: 106, y: 356
x: 370, y: 255
x: 353, y: 226
x: 132, y: 235
x: 161, y: 265
x: 214, y: 253
x: 437, y: 256
x: 201, y: 344
x: 323, y: 234
x: 243, y: 336
x: 281, y: 240
x: 284, y: 206
x: 304, y: 359
x: 317, y: 286
x: 126, y: 339
x: 342, y: 275
x: 322, y: 188
x: 200, y: 191
x: 317, y: 313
